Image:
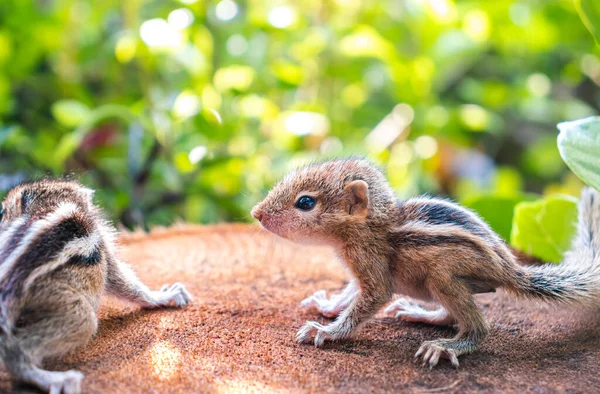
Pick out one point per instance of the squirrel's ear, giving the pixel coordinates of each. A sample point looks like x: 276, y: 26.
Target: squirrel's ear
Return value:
x: 357, y: 195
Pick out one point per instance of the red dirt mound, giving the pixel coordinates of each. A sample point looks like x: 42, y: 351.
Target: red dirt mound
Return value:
x: 238, y: 335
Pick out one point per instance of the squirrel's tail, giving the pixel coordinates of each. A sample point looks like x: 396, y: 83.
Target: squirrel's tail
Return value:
x: 577, y: 279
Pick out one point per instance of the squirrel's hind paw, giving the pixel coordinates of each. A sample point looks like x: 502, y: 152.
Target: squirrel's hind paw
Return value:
x: 321, y: 303
x: 403, y: 309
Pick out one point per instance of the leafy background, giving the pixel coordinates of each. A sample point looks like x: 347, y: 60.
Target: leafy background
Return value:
x: 190, y: 110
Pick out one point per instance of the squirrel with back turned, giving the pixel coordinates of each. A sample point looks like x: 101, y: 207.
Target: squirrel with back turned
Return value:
x: 426, y: 248
x: 57, y: 256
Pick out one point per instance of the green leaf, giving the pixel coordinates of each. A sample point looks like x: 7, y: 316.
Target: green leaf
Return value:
x: 589, y: 12
x: 70, y: 113
x: 579, y: 146
x: 497, y: 211
x: 545, y: 228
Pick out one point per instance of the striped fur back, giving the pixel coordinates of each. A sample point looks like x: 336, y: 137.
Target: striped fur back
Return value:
x: 437, y: 222
x: 30, y: 249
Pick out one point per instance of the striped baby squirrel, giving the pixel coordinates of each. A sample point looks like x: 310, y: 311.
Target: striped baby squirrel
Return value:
x: 57, y: 255
x: 426, y: 248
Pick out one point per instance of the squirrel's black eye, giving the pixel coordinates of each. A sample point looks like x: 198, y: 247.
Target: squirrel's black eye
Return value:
x: 306, y: 203
x: 1, y: 213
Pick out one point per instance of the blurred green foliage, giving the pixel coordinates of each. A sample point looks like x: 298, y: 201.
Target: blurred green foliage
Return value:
x: 191, y: 110
x: 544, y: 228
x: 498, y: 210
x: 589, y: 10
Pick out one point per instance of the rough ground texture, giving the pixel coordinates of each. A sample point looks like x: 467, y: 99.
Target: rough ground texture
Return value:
x: 238, y: 335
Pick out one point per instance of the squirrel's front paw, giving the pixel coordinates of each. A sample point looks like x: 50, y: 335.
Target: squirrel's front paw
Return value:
x: 176, y: 294
x: 320, y: 332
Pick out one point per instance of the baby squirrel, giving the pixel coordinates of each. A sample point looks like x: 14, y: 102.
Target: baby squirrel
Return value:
x: 426, y: 248
x: 57, y: 256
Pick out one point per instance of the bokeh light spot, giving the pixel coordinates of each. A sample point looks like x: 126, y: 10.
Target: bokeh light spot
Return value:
x: 402, y: 155
x: 519, y: 14
x: 210, y: 97
x: 125, y: 48
x: 354, y: 95
x: 390, y: 128
x: 539, y: 84
x: 186, y: 105
x: 442, y: 10
x: 197, y: 153
x: 226, y: 10
x: 304, y: 123
x: 282, y: 17
x: 477, y: 25
x: 234, y: 77
x: 426, y: 146
x: 158, y: 33
x: 590, y: 66
x: 237, y: 45
x: 474, y: 117
x: 180, y: 18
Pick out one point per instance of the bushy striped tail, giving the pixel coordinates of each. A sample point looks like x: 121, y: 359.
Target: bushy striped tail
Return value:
x: 577, y: 279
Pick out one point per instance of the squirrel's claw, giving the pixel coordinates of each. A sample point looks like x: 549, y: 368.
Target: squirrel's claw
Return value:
x: 305, y: 334
x: 432, y: 351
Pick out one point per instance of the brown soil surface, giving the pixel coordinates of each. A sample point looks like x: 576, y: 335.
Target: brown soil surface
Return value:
x: 238, y: 335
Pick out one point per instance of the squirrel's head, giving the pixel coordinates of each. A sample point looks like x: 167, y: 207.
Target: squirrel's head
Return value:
x: 318, y: 203
x: 38, y: 198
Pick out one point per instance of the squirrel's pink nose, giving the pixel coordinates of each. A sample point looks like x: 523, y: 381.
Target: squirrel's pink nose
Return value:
x: 256, y: 213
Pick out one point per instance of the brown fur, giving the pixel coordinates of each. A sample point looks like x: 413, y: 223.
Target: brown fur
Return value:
x: 57, y: 256
x: 427, y: 248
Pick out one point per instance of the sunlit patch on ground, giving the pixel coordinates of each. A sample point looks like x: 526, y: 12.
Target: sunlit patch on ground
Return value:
x: 165, y: 360
x: 235, y: 386
x: 166, y: 322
